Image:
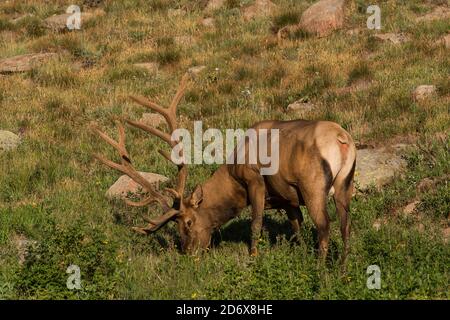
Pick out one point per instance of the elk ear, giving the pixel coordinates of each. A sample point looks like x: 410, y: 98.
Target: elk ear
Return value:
x: 197, y: 196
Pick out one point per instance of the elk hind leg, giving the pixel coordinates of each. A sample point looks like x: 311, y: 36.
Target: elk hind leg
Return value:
x: 315, y: 189
x: 343, y: 186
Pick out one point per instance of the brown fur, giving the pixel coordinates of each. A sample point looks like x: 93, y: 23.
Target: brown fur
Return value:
x: 314, y: 156
x: 312, y: 161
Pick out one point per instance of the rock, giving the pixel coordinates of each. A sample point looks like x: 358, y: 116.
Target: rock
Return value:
x: 411, y: 207
x: 378, y: 223
x: 301, y: 106
x: 425, y: 185
x: 376, y: 167
x: 446, y: 234
x: 428, y: 184
x: 260, y: 8
x: 152, y: 67
x: 208, y: 22
x: 421, y: 227
x: 194, y: 71
x: 323, y: 17
x: 423, y: 92
x: 153, y: 119
x: 184, y: 41
x: 175, y: 12
x: 125, y: 186
x: 445, y: 41
x: 23, y: 245
x: 395, y: 38
x: 439, y: 13
x: 8, y: 36
x: 214, y: 5
x: 18, y: 19
x: 359, y: 85
x: 59, y: 22
x: 8, y: 140
x: 354, y: 32
x: 24, y: 62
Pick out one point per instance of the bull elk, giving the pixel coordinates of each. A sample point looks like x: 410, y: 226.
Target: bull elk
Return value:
x: 314, y: 156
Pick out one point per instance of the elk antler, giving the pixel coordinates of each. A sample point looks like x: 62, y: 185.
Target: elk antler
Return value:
x: 126, y: 167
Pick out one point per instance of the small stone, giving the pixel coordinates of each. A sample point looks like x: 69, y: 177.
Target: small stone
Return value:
x: 395, y: 38
x: 260, y: 8
x: 208, y: 22
x: 23, y: 245
x: 59, y: 22
x: 421, y: 227
x: 423, y: 92
x: 439, y: 13
x: 445, y: 41
x: 359, y: 85
x: 411, y: 207
x: 323, y: 17
x: 425, y: 185
x: 149, y: 66
x: 354, y: 32
x: 8, y: 140
x: 125, y: 186
x: 24, y: 62
x: 153, y: 119
x: 214, y: 5
x: 378, y: 223
x: 446, y: 234
x: 196, y: 70
x: 301, y: 106
x: 184, y: 41
x: 175, y: 12
x: 18, y: 19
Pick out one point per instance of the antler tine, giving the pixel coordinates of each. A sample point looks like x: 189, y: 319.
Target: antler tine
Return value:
x: 170, y: 115
x: 160, y: 134
x: 126, y: 167
x: 180, y: 92
x: 118, y: 146
x: 157, y: 223
x: 157, y: 108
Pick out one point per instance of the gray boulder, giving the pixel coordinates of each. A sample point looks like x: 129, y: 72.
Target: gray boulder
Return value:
x: 8, y: 140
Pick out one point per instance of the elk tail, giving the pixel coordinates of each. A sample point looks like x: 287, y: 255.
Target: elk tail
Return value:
x: 342, y: 138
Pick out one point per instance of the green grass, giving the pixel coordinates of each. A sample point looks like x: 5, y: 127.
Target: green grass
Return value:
x: 52, y: 191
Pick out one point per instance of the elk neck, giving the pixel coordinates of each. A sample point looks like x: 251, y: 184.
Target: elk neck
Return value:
x: 223, y: 197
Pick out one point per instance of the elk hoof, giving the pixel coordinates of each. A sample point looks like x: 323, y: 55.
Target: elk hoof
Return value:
x: 253, y: 252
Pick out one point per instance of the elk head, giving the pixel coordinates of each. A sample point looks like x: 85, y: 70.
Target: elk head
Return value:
x: 194, y: 228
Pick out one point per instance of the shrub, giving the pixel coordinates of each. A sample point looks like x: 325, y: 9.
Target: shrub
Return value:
x: 44, y: 276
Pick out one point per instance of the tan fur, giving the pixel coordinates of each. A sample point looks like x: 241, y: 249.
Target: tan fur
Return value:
x: 314, y: 157
x: 300, y: 181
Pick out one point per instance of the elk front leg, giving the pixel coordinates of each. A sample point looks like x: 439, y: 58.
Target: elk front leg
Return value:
x: 256, y: 190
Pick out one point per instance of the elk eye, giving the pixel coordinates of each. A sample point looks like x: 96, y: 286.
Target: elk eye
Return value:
x: 189, y: 223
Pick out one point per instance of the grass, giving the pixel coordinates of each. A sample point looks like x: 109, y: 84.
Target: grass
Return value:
x: 52, y: 191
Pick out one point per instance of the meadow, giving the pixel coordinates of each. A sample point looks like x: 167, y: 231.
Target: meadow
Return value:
x: 52, y: 191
